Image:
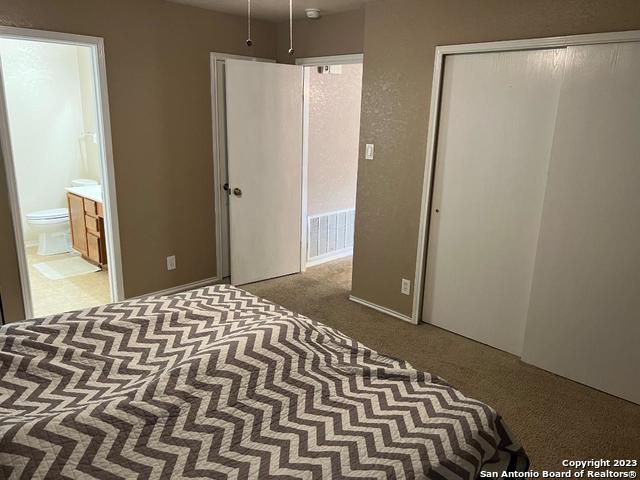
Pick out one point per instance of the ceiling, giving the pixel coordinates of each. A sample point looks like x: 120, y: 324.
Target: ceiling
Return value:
x: 276, y: 10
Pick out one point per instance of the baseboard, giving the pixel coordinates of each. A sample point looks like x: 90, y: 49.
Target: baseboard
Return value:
x: 348, y: 252
x: 182, y: 288
x: 386, y: 310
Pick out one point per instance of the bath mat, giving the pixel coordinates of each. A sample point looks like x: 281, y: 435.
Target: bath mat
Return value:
x: 68, y: 267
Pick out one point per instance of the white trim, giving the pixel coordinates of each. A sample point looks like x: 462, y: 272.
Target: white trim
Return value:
x: 304, y: 218
x: 12, y: 190
x: 329, y: 257
x: 332, y: 60
x: 217, y: 185
x: 434, y: 115
x: 386, y: 310
x: 182, y: 288
x: 230, y: 56
x: 18, y: 33
x: 114, y: 258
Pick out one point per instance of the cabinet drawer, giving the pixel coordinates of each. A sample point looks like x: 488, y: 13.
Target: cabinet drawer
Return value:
x: 93, y: 225
x: 93, y: 247
x: 90, y: 207
x: 100, y: 210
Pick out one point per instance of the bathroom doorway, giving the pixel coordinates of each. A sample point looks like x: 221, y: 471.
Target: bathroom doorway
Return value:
x: 56, y: 143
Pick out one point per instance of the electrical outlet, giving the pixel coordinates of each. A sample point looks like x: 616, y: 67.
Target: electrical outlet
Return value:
x: 171, y: 262
x: 405, y: 289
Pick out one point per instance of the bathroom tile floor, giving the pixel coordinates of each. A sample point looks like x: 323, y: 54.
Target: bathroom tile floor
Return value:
x: 72, y: 293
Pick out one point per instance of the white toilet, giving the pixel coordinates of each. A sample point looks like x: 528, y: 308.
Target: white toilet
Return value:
x: 52, y: 226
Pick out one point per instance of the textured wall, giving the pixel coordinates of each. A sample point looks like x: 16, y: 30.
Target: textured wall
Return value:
x: 337, y: 34
x: 400, y: 40
x: 44, y: 104
x: 157, y: 56
x: 161, y: 121
x: 334, y: 132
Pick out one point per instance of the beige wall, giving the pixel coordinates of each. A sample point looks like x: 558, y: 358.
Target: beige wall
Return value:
x: 400, y: 40
x: 338, y: 34
x: 334, y: 133
x: 157, y: 56
x: 161, y: 120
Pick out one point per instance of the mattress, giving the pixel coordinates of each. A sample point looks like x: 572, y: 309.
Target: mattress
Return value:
x: 217, y: 383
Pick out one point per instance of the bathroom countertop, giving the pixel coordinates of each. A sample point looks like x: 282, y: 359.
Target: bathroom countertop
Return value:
x: 92, y: 192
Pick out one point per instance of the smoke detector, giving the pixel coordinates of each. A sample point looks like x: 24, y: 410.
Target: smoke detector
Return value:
x: 312, y: 13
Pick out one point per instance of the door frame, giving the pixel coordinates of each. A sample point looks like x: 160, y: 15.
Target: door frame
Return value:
x: 313, y: 62
x: 96, y: 44
x: 222, y: 256
x: 434, y: 118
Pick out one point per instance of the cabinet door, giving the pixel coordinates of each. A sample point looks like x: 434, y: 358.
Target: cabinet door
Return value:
x: 76, y: 218
x: 94, y: 248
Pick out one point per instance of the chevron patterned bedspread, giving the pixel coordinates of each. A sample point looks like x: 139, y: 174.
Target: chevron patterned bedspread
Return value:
x: 216, y: 383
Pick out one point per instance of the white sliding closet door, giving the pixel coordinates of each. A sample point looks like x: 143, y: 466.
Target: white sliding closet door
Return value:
x: 496, y: 128
x: 584, y: 318
x: 264, y: 143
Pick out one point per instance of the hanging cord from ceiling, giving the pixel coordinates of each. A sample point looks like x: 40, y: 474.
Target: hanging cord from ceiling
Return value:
x: 291, y: 51
x: 249, y: 41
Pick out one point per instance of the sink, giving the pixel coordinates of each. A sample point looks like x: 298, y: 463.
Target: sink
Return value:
x: 92, y: 192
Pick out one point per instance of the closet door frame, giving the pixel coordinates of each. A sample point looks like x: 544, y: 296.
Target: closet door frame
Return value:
x: 434, y: 118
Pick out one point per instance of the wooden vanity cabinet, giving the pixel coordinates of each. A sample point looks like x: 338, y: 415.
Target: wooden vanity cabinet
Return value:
x: 87, y: 229
x: 76, y: 219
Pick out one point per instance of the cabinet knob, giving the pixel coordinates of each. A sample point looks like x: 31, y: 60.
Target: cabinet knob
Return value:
x: 237, y: 192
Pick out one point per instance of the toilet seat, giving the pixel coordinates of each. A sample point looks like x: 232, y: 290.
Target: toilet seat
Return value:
x: 48, y: 217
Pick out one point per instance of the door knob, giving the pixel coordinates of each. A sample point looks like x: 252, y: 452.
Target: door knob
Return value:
x: 237, y: 192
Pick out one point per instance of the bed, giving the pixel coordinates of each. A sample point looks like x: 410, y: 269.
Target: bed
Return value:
x: 217, y: 383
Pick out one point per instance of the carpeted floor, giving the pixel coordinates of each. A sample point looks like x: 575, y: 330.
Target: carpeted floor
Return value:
x: 553, y: 417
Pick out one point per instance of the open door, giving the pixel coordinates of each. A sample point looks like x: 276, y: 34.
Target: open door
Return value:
x: 264, y: 144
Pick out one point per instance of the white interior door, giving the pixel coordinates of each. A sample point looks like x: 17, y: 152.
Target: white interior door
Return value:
x: 584, y: 320
x: 496, y: 128
x: 264, y: 133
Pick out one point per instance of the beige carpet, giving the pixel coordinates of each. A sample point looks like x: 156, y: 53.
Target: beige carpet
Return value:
x: 554, y: 418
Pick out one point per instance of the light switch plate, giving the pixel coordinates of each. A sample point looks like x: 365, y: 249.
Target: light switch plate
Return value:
x: 171, y: 262
x: 369, y: 151
x: 405, y: 289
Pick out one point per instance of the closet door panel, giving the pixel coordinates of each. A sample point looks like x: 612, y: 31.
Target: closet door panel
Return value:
x: 584, y: 317
x: 496, y: 129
